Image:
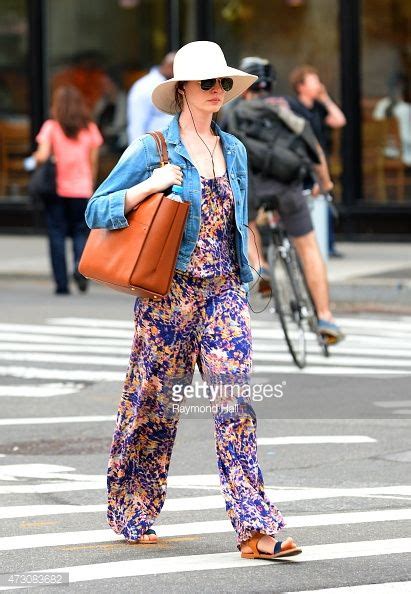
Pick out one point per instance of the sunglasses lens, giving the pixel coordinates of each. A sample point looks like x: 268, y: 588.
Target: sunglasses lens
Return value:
x: 207, y: 84
x: 227, y: 84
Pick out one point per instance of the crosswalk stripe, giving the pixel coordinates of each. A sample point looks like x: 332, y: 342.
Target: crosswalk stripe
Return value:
x: 91, y: 322
x: 272, y: 349
x: 89, y: 359
x: 23, y: 338
x: 393, y: 403
x: 189, y: 563
x: 57, y: 420
x: 211, y: 502
x: 65, y: 330
x: 360, y: 322
x: 39, y: 391
x: 276, y: 332
x: 52, y: 539
x: 69, y: 359
x: 69, y: 374
x: 383, y: 588
x: 63, y: 348
x: 404, y: 322
x: 342, y: 349
x: 336, y: 359
x: 313, y: 439
x: 89, y: 375
x: 324, y: 370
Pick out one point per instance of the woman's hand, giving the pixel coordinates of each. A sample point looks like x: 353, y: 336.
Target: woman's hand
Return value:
x: 164, y: 177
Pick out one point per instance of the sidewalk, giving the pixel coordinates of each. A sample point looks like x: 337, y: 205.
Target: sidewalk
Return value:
x: 370, y: 273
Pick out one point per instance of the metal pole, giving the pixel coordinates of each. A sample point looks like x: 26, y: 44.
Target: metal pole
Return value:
x: 350, y: 50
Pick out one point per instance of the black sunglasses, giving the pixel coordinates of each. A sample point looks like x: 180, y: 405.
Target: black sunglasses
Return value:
x: 208, y: 84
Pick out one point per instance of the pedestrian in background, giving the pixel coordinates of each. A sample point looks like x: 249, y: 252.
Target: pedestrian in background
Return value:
x: 72, y: 140
x: 313, y: 103
x: 204, y: 318
x: 142, y: 115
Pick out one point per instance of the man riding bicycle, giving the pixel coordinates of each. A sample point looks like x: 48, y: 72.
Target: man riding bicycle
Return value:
x: 283, y: 153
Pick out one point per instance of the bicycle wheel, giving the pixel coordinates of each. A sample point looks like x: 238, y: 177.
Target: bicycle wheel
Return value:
x: 309, y: 311
x: 287, y: 306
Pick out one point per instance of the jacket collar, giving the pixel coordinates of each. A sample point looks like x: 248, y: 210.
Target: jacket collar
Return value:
x: 172, y: 135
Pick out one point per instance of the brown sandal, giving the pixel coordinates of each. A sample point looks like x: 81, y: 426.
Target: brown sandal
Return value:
x: 144, y: 541
x: 277, y: 552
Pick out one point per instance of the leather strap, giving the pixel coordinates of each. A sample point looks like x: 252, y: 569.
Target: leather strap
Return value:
x: 161, y: 147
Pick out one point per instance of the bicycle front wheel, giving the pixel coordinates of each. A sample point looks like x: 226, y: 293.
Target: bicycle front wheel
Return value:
x: 287, y: 305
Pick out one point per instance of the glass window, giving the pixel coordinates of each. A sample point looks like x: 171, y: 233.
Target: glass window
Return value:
x: 14, y: 105
x: 103, y: 47
x: 289, y: 33
x: 386, y: 103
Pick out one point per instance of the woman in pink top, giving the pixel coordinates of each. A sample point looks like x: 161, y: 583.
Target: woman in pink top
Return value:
x: 73, y: 140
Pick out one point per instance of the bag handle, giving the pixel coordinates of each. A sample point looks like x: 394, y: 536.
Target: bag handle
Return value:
x: 161, y: 147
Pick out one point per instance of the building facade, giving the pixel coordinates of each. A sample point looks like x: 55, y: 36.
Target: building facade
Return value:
x: 362, y: 49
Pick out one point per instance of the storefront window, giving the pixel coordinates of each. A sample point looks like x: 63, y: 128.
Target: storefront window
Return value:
x: 289, y: 33
x: 14, y: 107
x: 386, y: 105
x: 103, y: 47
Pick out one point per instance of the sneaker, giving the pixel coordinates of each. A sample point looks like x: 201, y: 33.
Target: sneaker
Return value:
x: 330, y: 331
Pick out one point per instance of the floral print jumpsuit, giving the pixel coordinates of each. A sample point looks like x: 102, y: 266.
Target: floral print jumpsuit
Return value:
x: 205, y: 320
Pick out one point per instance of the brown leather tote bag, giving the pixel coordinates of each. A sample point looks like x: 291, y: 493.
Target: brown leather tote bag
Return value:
x: 139, y: 259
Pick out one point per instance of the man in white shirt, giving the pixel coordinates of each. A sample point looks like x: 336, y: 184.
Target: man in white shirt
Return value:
x: 142, y: 115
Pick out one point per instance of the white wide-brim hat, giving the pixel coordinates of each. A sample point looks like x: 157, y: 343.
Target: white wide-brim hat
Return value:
x: 199, y: 60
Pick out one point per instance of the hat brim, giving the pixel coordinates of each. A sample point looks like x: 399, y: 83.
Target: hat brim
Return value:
x: 163, y: 95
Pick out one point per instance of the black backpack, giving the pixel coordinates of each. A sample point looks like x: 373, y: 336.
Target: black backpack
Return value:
x: 280, y: 145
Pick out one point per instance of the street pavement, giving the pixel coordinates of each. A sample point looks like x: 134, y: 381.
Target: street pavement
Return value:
x: 334, y: 449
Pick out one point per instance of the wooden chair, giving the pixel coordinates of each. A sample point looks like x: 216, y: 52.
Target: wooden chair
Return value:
x: 14, y: 147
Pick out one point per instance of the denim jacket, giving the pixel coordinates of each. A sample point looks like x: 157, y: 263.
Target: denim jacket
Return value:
x: 105, y: 209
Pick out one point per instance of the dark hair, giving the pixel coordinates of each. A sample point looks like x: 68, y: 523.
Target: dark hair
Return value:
x: 178, y: 97
x: 69, y: 109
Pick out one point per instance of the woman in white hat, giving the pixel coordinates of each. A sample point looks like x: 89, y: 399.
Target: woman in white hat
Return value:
x: 204, y: 319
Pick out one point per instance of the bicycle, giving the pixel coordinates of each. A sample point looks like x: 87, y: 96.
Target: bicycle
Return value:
x: 293, y: 302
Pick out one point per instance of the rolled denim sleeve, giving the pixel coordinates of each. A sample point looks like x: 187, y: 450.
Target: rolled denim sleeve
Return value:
x: 105, y: 208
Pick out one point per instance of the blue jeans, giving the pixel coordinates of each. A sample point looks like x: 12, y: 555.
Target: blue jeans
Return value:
x: 65, y: 218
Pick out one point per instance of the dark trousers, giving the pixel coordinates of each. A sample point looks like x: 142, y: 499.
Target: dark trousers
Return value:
x: 65, y: 218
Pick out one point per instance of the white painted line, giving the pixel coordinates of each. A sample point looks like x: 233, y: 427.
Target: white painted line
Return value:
x: 91, y: 322
x: 65, y: 330
x: 22, y: 338
x: 65, y: 359
x: 342, y: 349
x: 64, y: 374
x: 32, y: 511
x: 392, y: 403
x: 323, y: 370
x: 54, y: 539
x: 63, y: 348
x: 384, y: 588
x: 334, y: 360
x: 39, y: 391
x: 359, y: 322
x: 312, y: 439
x: 189, y: 563
x: 53, y: 420
x: 276, y: 331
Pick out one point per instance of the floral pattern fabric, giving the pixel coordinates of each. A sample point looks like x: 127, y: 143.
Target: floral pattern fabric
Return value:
x: 214, y: 254
x: 203, y: 320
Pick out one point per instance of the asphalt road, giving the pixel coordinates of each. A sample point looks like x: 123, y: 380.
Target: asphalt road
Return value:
x: 334, y: 449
